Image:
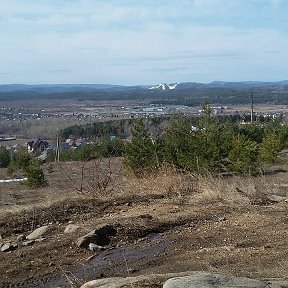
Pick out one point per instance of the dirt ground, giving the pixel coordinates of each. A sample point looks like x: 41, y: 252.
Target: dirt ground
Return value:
x: 168, y: 223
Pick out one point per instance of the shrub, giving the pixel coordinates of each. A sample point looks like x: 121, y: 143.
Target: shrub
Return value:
x: 4, y: 157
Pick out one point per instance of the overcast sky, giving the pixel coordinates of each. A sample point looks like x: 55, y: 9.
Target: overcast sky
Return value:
x: 142, y: 41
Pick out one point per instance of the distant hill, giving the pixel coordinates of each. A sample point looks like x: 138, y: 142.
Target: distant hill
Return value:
x: 221, y: 84
x: 188, y: 93
x: 48, y: 88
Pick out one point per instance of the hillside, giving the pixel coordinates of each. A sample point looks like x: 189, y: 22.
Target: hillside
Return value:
x: 169, y: 223
x: 189, y: 93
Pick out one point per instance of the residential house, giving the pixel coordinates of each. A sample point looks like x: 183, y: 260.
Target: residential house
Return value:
x: 37, y: 147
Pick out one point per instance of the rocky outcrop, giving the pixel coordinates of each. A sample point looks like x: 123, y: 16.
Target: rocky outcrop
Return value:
x: 185, y: 280
x: 208, y: 280
x: 118, y: 282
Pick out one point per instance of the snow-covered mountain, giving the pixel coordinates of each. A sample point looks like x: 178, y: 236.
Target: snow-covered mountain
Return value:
x: 165, y: 86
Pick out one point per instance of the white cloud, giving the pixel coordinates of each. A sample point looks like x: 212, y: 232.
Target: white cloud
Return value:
x: 276, y: 3
x: 137, y: 42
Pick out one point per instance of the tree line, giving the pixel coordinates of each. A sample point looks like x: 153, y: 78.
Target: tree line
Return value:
x: 206, y: 144
x: 118, y: 128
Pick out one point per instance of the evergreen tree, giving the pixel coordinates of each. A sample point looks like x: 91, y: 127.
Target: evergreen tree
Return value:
x: 199, y: 144
x: 270, y: 147
x: 4, y: 157
x: 19, y: 162
x: 244, y: 155
x: 35, y: 175
x: 140, y: 156
x: 30, y: 168
x: 181, y: 144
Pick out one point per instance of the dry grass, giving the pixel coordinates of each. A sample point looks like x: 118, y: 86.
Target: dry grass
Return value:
x: 232, y: 190
x: 218, y: 213
x: 167, y: 182
x: 105, y: 179
x: 17, y: 198
x: 94, y: 178
x: 207, y: 189
x: 66, y: 180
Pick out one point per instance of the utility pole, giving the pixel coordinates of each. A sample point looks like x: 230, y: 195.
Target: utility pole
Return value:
x: 57, y: 155
x: 252, y: 107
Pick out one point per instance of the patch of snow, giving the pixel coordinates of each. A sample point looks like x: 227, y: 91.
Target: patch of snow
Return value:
x: 165, y: 86
x: 156, y: 87
x: 13, y: 180
x: 172, y: 86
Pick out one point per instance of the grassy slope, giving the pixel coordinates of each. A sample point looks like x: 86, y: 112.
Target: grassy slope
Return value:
x: 224, y: 225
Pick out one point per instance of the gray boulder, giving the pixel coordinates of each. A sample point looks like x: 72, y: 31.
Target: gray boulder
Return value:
x: 84, y: 241
x: 211, y: 280
x: 100, y: 236
x: 7, y: 247
x: 38, y: 232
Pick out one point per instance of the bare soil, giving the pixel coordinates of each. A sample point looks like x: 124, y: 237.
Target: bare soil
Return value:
x: 164, y: 224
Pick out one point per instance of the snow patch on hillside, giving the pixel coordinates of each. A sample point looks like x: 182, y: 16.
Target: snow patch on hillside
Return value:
x: 171, y: 86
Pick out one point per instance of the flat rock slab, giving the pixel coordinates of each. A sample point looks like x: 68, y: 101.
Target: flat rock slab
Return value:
x: 118, y: 282
x: 189, y: 279
x: 38, y: 232
x: 276, y: 198
x: 210, y: 280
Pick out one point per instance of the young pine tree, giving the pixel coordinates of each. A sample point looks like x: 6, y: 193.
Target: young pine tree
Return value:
x: 271, y: 145
x: 243, y: 155
x: 4, y: 157
x: 35, y: 175
x: 140, y: 155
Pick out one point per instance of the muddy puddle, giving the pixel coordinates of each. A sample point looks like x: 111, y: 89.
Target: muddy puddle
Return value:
x: 122, y: 261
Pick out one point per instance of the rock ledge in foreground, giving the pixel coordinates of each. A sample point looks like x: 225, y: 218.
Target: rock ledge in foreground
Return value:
x: 186, y: 280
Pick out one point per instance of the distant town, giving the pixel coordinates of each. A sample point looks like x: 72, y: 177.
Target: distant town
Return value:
x: 133, y: 111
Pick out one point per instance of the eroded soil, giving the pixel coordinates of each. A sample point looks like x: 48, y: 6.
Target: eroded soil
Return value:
x: 155, y: 234
x: 165, y: 224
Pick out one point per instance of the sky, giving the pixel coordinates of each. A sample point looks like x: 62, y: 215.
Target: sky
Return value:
x: 131, y: 42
